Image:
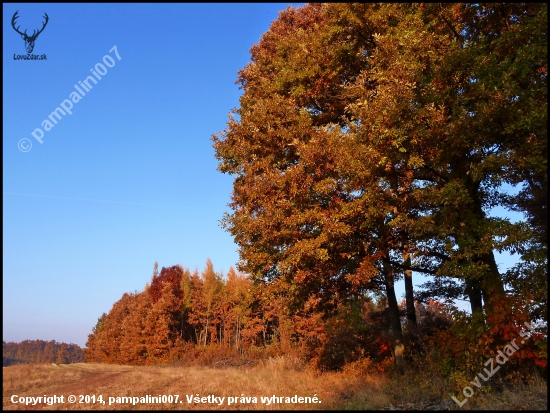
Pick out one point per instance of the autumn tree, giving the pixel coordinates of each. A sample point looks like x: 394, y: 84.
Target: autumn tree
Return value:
x: 211, y: 284
x: 93, y: 351
x: 110, y: 331
x: 233, y: 308
x: 373, y: 139
x: 291, y: 214
x: 133, y: 341
x: 186, y: 285
x: 161, y: 324
x: 172, y: 275
x: 198, y: 308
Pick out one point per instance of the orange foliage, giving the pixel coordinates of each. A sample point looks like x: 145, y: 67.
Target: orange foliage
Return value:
x: 467, y: 346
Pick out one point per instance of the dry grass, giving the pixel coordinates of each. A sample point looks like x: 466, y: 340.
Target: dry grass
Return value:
x: 279, y: 376
x: 421, y: 389
x: 522, y: 397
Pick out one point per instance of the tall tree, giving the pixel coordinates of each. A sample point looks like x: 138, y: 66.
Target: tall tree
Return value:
x: 370, y: 130
x: 211, y: 286
x: 161, y: 324
x: 133, y: 341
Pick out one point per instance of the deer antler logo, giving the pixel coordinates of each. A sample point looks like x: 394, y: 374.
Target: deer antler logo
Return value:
x: 29, y: 40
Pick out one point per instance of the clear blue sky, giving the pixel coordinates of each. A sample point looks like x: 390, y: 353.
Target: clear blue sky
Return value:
x: 129, y: 178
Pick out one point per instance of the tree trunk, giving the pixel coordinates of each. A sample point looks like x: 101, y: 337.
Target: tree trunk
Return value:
x: 264, y: 327
x: 398, y: 345
x: 492, y: 287
x: 474, y: 294
x: 237, y: 334
x: 409, y: 293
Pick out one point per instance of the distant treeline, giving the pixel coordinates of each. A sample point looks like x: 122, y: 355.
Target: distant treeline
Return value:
x: 6, y: 361
x: 40, y: 351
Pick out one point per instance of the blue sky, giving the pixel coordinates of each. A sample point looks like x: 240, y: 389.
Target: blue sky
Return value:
x: 127, y: 179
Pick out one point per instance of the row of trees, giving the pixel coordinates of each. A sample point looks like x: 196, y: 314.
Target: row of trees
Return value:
x: 183, y: 314
x: 177, y: 307
x: 373, y: 140
x: 40, y: 351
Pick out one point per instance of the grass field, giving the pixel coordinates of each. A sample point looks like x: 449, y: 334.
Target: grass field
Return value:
x: 280, y: 377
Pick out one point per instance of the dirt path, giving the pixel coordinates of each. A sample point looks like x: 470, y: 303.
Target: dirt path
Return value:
x: 76, y: 381
x: 91, y: 385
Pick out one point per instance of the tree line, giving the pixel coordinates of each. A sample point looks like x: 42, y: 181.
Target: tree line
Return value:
x: 182, y: 315
x: 177, y: 307
x: 41, y: 351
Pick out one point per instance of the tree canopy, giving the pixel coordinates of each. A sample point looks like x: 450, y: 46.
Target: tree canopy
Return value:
x: 375, y: 139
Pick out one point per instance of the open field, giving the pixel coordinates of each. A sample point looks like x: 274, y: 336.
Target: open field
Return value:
x: 277, y: 377
x: 268, y: 379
